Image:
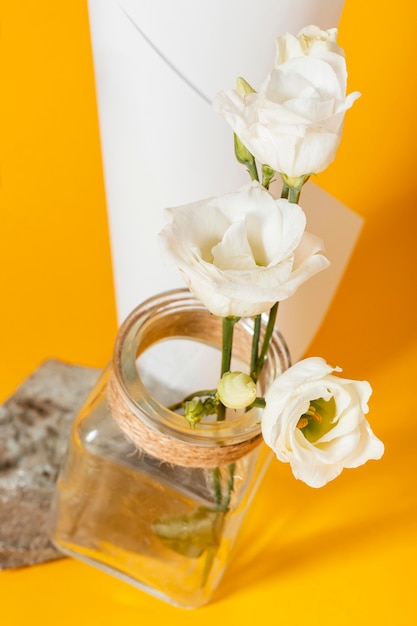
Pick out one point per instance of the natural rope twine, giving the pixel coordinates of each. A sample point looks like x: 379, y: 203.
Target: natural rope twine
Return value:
x: 166, y: 448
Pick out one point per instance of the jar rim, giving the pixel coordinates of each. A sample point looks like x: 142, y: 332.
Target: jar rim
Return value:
x: 133, y: 339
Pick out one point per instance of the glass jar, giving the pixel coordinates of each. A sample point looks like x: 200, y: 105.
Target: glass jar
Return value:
x: 142, y: 494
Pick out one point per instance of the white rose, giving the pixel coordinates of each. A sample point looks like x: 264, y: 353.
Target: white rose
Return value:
x: 294, y: 124
x: 316, y: 422
x: 241, y: 252
x: 311, y: 40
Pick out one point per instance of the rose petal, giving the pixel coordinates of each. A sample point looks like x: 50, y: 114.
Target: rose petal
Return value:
x: 347, y: 439
x: 246, y: 260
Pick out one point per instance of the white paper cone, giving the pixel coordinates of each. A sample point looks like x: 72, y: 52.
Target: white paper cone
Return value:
x: 158, y: 64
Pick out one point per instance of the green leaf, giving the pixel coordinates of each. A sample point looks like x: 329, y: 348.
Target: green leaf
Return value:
x: 267, y: 175
x: 191, y: 535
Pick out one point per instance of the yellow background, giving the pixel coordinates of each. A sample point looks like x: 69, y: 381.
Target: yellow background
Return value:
x: 345, y: 554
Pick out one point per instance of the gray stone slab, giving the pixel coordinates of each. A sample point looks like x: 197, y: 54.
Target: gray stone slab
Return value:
x: 34, y: 426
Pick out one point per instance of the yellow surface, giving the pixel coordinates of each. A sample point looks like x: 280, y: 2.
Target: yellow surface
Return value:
x: 342, y: 555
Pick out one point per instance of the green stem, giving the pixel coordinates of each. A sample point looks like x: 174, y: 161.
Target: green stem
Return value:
x: 210, y: 556
x: 292, y: 187
x: 218, y: 496
x: 252, y: 170
x: 228, y: 326
x: 217, y: 487
x: 267, y: 338
x: 258, y: 402
x: 227, y: 344
x: 230, y: 484
x: 255, y: 341
x: 293, y: 194
x: 196, y: 394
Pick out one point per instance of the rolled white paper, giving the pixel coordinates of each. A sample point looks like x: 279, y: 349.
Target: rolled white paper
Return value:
x: 158, y: 64
x: 300, y: 316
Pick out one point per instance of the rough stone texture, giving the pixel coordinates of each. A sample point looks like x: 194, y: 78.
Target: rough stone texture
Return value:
x: 34, y: 427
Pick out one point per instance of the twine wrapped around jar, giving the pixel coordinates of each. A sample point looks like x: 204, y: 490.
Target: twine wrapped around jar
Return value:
x: 167, y: 448
x: 144, y: 418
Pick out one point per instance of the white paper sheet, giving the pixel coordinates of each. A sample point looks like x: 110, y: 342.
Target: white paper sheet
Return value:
x: 158, y: 64
x: 300, y: 316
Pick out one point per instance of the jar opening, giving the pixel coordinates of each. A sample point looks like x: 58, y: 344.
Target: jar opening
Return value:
x: 169, y: 347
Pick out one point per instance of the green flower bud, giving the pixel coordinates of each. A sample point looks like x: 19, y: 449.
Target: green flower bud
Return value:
x: 243, y: 87
x: 194, y: 411
x: 236, y: 390
x: 267, y: 175
x: 242, y: 153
